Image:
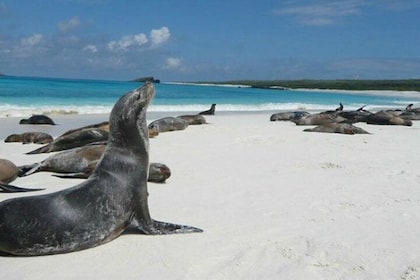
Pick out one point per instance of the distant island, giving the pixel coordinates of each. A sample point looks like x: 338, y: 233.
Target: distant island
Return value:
x: 398, y: 85
x: 146, y: 79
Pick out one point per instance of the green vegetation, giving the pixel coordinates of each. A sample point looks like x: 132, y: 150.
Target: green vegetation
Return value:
x: 146, y: 79
x: 400, y: 85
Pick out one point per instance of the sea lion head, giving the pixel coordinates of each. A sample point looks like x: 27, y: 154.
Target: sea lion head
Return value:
x: 128, y: 117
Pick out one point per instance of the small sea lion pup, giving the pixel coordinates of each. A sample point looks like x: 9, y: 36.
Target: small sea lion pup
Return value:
x: 102, y: 207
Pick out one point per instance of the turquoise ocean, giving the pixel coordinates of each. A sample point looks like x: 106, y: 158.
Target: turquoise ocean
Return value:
x: 24, y: 96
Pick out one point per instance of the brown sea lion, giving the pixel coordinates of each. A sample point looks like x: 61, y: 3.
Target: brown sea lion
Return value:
x: 343, y: 128
x: 30, y: 137
x: 75, y: 139
x: 193, y: 119
x: 8, y: 173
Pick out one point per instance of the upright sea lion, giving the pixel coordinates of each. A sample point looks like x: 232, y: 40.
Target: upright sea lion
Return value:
x: 102, y: 207
x: 30, y: 137
x: 210, y: 111
x: 37, y: 119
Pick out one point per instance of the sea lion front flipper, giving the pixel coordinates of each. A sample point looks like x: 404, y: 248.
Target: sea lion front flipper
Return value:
x: 5, y: 188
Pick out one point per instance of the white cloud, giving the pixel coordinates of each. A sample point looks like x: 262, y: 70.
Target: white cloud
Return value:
x: 69, y: 25
x: 32, y: 40
x: 323, y: 13
x: 173, y: 63
x: 90, y: 48
x: 128, y: 41
x: 159, y: 36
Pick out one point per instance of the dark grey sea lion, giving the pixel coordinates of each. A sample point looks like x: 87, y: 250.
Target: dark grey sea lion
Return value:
x: 101, y: 208
x: 168, y: 124
x: 355, y: 116
x: 410, y: 113
x: 75, y: 139
x: 387, y: 118
x: 210, y: 111
x: 287, y: 116
x: 193, y: 119
x: 158, y: 173
x: 30, y: 137
x: 8, y: 173
x: 343, y: 128
x: 81, y: 162
x: 37, y: 119
x: 102, y: 125
x: 318, y: 119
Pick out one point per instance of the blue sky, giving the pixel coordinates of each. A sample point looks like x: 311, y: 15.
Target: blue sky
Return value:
x: 195, y: 40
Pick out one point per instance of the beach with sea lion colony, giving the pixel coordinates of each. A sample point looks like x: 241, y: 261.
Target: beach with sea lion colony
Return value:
x: 272, y: 199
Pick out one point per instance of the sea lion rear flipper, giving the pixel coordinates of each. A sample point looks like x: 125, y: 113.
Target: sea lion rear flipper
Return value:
x: 26, y: 170
x: 161, y: 228
x: 43, y: 149
x: 5, y: 188
x: 168, y: 228
x: 80, y: 175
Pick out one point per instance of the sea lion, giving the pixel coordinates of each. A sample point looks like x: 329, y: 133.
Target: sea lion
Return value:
x: 287, y: 116
x: 168, y: 124
x: 102, y: 125
x: 76, y: 160
x: 210, y: 111
x: 343, y: 128
x: 81, y: 162
x: 37, y: 119
x: 30, y: 137
x: 99, y: 209
x: 193, y: 119
x: 355, y: 116
x: 318, y: 119
x: 158, y: 172
x: 387, y: 118
x: 8, y: 173
x: 75, y: 139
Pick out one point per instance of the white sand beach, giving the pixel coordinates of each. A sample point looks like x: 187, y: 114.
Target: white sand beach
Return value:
x: 274, y: 203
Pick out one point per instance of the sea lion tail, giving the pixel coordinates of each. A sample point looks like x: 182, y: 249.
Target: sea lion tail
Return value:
x: 5, y: 188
